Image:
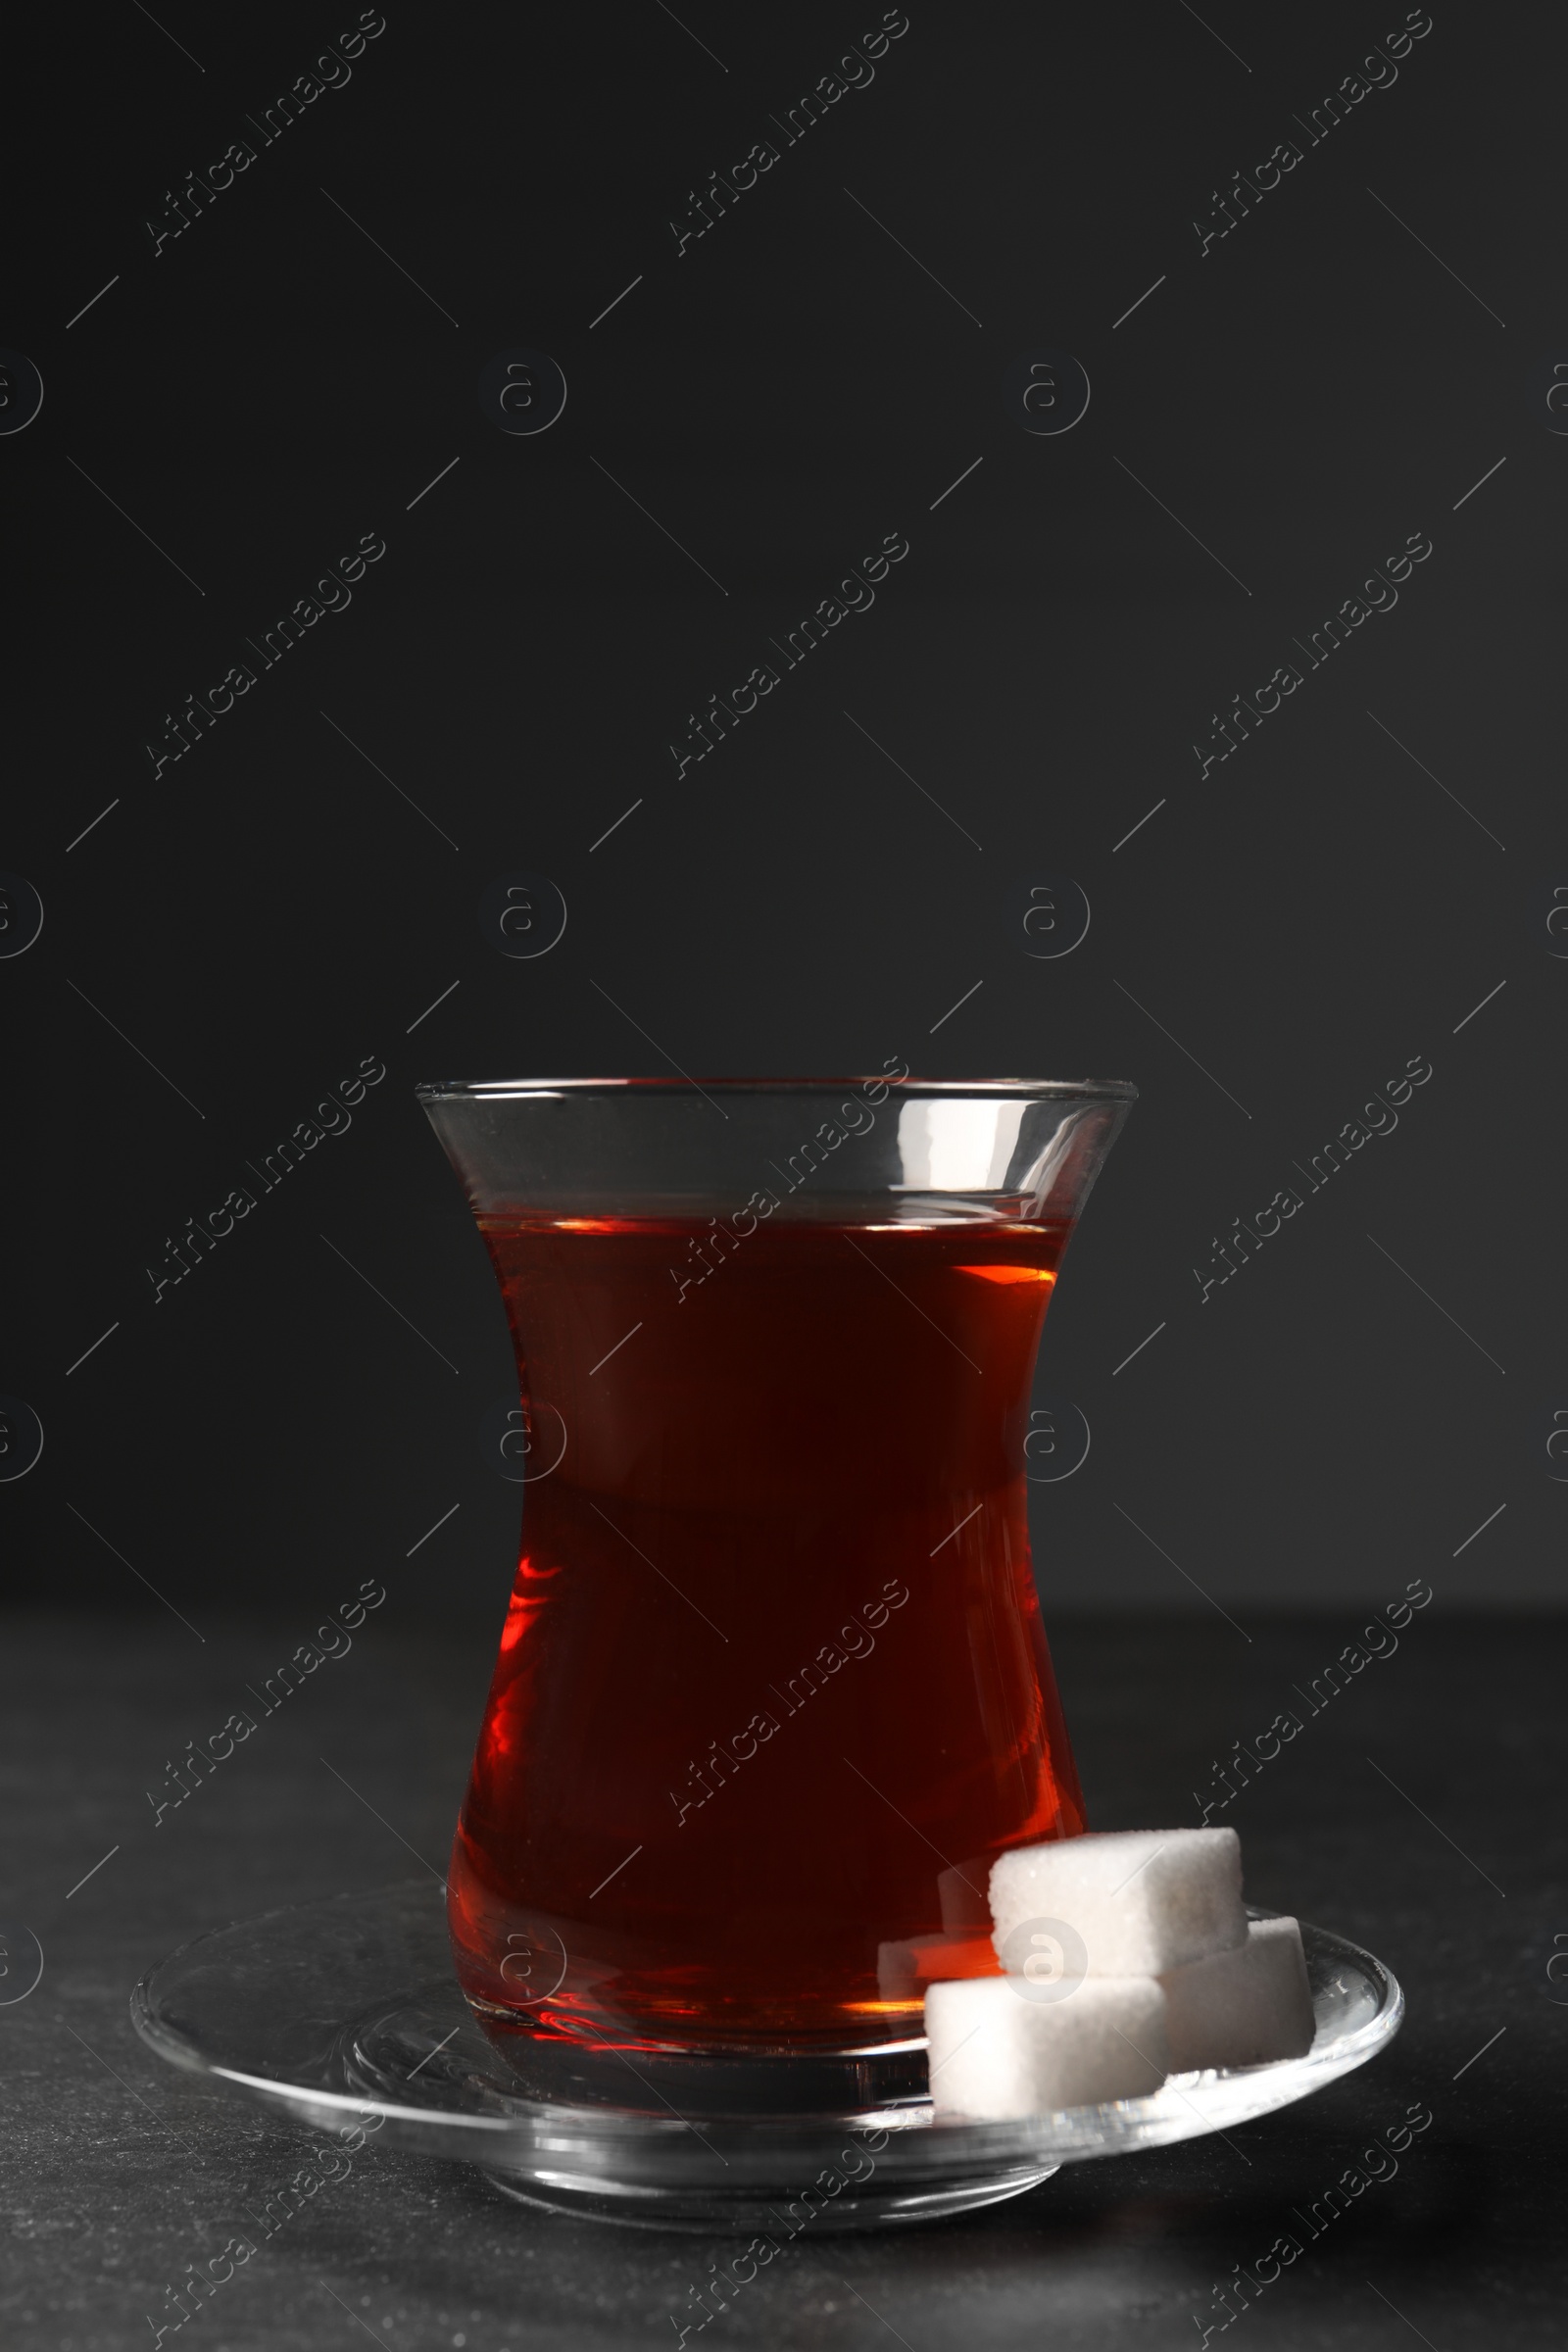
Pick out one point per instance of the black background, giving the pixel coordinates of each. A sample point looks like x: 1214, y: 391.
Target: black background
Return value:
x: 788, y: 389
x: 1365, y: 1404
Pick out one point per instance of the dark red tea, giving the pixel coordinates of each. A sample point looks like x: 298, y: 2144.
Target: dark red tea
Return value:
x: 773, y: 1690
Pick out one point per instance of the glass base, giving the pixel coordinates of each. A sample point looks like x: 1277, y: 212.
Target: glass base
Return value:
x: 754, y: 2217
x: 691, y: 2078
x: 346, y: 2013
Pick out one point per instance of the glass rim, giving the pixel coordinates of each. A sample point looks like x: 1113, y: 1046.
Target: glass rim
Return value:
x: 491, y: 1089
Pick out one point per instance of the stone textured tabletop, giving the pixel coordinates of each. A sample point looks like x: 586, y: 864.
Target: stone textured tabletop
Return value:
x: 1419, y: 1813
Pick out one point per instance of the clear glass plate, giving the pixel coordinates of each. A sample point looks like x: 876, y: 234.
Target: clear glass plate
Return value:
x: 346, y: 2012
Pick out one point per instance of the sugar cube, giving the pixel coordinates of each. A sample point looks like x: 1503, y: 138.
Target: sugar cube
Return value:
x: 1243, y: 2007
x: 998, y: 2053
x: 903, y: 1969
x: 1134, y: 1902
x: 961, y: 1892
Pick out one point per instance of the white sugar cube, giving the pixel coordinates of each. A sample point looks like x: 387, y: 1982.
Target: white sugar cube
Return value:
x: 999, y: 2052
x: 905, y: 1968
x: 1245, y: 2007
x: 961, y: 1892
x: 1132, y: 1902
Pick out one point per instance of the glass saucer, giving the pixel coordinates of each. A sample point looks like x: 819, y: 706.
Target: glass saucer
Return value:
x: 346, y: 2012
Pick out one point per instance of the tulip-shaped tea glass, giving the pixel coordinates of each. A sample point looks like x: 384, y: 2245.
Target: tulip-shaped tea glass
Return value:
x: 772, y: 1691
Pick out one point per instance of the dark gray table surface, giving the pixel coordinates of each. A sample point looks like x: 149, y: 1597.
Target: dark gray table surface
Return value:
x: 120, y: 2170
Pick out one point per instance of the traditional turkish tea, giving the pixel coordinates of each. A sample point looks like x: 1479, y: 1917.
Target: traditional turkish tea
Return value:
x: 773, y: 1692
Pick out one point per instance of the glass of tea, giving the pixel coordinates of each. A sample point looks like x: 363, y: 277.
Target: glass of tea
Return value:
x: 772, y: 1690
